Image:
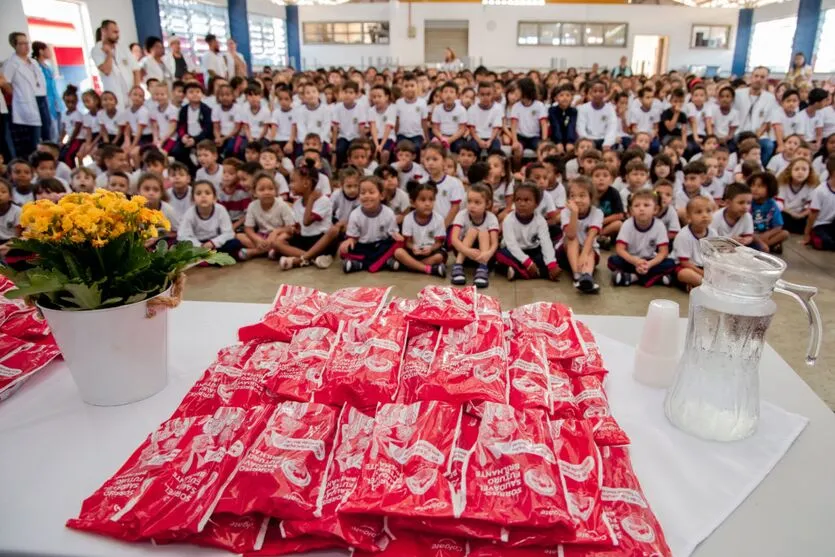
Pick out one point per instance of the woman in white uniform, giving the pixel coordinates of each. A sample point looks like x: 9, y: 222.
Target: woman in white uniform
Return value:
x: 27, y: 85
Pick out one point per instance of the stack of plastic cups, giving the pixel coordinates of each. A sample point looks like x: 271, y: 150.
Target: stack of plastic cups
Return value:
x: 658, y: 352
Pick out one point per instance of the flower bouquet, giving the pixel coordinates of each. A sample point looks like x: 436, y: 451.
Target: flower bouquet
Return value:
x: 98, y: 286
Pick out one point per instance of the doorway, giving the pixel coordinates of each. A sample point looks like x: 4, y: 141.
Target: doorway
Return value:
x: 649, y: 54
x: 438, y: 35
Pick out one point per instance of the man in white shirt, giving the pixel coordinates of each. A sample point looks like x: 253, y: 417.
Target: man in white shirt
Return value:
x: 235, y: 63
x: 213, y: 62
x: 177, y: 62
x: 153, y: 65
x: 118, y: 68
x: 755, y: 106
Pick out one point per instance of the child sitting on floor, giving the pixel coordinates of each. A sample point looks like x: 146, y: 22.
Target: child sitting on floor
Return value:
x: 686, y: 249
x: 642, y: 246
x: 207, y: 223
x: 267, y: 218
x: 581, y: 222
x: 768, y: 220
x: 475, y: 236
x: 424, y: 249
x: 372, y: 235
x: 734, y: 219
x: 527, y: 250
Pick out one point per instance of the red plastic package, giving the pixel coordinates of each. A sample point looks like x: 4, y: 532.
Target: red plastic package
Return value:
x: 512, y: 476
x: 299, y: 374
x: 593, y: 356
x: 133, y: 478
x: 182, y: 496
x: 294, y: 308
x: 554, y: 323
x: 365, y: 367
x: 488, y: 307
x: 470, y: 364
x: 343, y: 471
x: 237, y: 534
x: 275, y: 544
x: 20, y: 359
x: 445, y: 306
x: 236, y: 355
x: 528, y: 373
x: 592, y: 403
x: 405, y: 466
x: 563, y: 404
x: 247, y: 389
x: 282, y: 473
x: 212, y: 391
x: 420, y: 350
x: 26, y: 324
x: 357, y: 304
x: 420, y: 545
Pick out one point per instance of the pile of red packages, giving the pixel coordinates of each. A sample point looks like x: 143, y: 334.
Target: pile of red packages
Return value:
x: 438, y: 426
x: 26, y: 344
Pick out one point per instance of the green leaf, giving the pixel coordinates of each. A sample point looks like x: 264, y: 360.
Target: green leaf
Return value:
x: 35, y: 282
x: 222, y: 259
x: 136, y: 298
x: 83, y: 295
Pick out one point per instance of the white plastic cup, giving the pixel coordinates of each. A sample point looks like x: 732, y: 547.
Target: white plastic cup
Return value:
x: 657, y: 355
x: 116, y: 355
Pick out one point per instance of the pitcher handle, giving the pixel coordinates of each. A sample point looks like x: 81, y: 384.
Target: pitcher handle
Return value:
x: 805, y: 297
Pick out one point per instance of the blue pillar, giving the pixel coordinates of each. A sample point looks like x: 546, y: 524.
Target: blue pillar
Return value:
x: 744, y: 30
x: 239, y: 29
x: 294, y: 51
x: 806, y: 32
x: 146, y: 15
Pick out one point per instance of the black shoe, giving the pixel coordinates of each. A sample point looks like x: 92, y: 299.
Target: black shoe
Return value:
x: 586, y: 284
x: 439, y: 270
x: 351, y: 266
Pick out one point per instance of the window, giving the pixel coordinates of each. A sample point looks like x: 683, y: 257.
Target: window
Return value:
x: 267, y: 42
x: 771, y: 44
x: 825, y: 53
x: 191, y: 21
x: 547, y: 33
x: 710, y: 36
x: 375, y: 32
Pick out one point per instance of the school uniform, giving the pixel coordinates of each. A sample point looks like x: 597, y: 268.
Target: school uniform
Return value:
x: 180, y: 204
x: 791, y: 123
x: 500, y: 194
x: 257, y: 122
x: 626, y: 193
x: 563, y: 125
x: 166, y: 122
x: 343, y: 205
x: 309, y: 234
x: 215, y: 178
x: 228, y: 119
x: 21, y: 198
x: 716, y: 189
x: 681, y: 198
x: 135, y: 118
x: 687, y: 247
x: 112, y: 125
x: 591, y: 220
x: 827, y: 120
x: 381, y: 120
x: 195, y: 123
x: 283, y: 122
x: 315, y: 120
x: 572, y: 169
x: 216, y: 228
x: 482, y: 121
x: 415, y: 172
x: 410, y: 118
x: 529, y: 123
x: 463, y: 222
x: 723, y: 121
x: 9, y: 223
x: 373, y: 234
x: 670, y: 219
x: 743, y: 227
x: 449, y: 120
x: 526, y: 241
x: 400, y: 202
x: 796, y: 201
x: 644, y: 120
x: 643, y: 243
x: 348, y: 120
x: 450, y: 192
x: 810, y: 124
x: 823, y: 204
x: 598, y: 124
x: 778, y: 163
x: 235, y: 202
x: 425, y: 234
x: 264, y: 221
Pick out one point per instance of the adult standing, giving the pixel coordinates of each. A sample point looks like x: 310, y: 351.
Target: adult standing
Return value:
x: 451, y: 62
x: 234, y: 60
x: 623, y: 69
x: 6, y: 145
x: 26, y: 83
x: 136, y: 50
x: 213, y: 63
x: 755, y: 105
x: 153, y: 65
x: 799, y: 72
x: 177, y: 62
x: 42, y: 55
x: 118, y: 67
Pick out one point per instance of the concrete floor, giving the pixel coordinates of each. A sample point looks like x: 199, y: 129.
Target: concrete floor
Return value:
x: 257, y: 281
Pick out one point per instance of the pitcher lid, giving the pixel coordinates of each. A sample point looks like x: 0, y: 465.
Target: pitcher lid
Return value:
x: 738, y: 269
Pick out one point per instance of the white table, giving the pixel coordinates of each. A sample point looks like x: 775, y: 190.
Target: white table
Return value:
x: 55, y: 451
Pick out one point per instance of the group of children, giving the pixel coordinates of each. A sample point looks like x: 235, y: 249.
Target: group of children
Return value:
x: 487, y: 172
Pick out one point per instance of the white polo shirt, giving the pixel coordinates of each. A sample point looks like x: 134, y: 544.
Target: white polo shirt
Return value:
x: 722, y: 122
x: 484, y: 120
x: 753, y: 110
x: 214, y: 62
x: 823, y: 201
x: 227, y: 119
x: 120, y: 79
x: 410, y: 116
x: 28, y: 82
x: 449, y: 119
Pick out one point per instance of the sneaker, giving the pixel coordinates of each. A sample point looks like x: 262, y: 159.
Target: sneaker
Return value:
x: 392, y: 264
x: 243, y: 255
x: 439, y: 269
x: 285, y: 263
x: 585, y: 284
x: 511, y: 273
x: 323, y: 261
x: 351, y: 266
x: 666, y: 280
x: 621, y: 279
x: 458, y: 276
x: 303, y: 262
x: 482, y: 277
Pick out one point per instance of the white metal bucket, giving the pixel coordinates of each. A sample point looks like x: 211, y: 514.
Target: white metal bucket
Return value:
x: 115, y: 355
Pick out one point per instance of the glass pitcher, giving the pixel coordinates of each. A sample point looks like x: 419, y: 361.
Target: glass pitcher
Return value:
x: 715, y: 393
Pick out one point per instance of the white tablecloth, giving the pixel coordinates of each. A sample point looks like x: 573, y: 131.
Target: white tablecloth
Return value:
x: 55, y: 451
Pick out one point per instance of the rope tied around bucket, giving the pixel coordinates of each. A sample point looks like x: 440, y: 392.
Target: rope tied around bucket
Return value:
x: 170, y: 302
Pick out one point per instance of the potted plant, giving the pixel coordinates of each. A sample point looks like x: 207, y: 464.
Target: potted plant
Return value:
x: 103, y: 293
